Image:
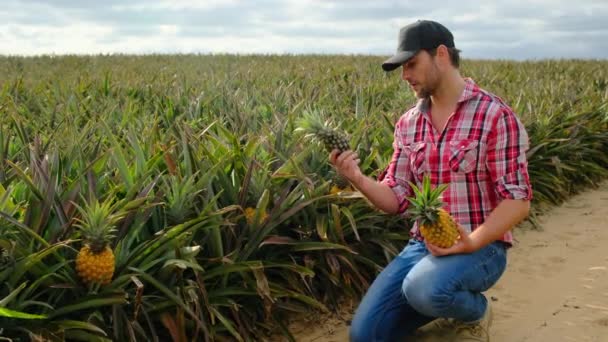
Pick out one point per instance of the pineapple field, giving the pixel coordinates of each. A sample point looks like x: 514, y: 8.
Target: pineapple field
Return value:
x: 180, y: 197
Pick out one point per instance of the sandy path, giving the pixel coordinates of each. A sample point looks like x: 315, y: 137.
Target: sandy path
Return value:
x: 556, y: 284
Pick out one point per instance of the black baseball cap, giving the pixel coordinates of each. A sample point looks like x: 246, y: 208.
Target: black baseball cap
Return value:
x: 421, y: 35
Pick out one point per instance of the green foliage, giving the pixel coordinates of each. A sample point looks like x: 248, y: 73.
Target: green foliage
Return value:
x: 178, y: 147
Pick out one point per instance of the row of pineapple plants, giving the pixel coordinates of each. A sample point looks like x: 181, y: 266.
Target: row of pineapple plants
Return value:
x: 223, y: 220
x: 232, y: 244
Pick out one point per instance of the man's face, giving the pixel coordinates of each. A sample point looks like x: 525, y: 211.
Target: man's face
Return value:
x: 422, y: 74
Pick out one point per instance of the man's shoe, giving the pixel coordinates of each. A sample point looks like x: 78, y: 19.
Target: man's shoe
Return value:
x: 477, y: 331
x: 439, y: 330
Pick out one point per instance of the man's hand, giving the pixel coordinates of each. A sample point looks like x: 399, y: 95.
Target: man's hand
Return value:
x: 380, y: 195
x: 347, y: 164
x: 465, y: 244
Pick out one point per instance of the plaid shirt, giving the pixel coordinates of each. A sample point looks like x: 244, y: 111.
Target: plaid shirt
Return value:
x: 481, y: 155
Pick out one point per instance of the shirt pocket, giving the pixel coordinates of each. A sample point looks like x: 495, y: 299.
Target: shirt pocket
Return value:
x: 463, y: 155
x: 417, y: 157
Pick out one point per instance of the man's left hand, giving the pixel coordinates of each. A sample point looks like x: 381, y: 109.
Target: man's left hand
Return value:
x: 464, y: 245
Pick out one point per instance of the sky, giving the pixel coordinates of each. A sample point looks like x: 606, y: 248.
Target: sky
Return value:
x: 509, y: 29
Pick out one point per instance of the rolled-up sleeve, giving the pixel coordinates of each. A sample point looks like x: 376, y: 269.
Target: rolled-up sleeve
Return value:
x: 398, y: 172
x: 507, y: 163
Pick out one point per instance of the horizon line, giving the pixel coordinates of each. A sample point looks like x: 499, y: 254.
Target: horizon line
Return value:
x: 276, y: 54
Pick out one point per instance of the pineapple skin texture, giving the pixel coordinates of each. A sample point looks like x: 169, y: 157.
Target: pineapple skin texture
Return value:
x: 443, y: 233
x: 95, y: 268
x: 333, y: 140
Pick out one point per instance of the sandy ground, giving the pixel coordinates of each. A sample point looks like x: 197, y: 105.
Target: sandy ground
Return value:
x: 555, y: 287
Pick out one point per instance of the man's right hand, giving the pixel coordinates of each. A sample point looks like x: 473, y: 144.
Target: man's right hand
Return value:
x: 379, y: 194
x: 347, y: 164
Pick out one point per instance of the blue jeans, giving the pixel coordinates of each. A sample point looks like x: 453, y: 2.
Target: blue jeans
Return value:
x: 417, y: 287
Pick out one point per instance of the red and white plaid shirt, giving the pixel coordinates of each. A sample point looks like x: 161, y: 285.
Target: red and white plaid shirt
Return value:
x: 480, y: 155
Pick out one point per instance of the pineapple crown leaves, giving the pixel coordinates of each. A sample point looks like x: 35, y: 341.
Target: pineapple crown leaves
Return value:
x: 426, y: 201
x: 180, y: 196
x: 324, y: 132
x: 98, y: 220
x: 313, y: 124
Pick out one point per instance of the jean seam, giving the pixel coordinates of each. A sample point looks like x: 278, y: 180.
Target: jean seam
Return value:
x: 488, y: 260
x: 491, y: 254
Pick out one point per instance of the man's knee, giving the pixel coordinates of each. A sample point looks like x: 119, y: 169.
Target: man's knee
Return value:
x: 427, y: 298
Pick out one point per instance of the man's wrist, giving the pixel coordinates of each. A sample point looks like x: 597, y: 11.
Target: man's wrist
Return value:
x: 477, y: 239
x: 475, y: 245
x: 358, y: 180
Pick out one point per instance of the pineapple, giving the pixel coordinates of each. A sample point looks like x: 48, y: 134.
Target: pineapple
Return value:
x: 95, y: 260
x: 314, y: 127
x: 250, y: 213
x: 5, y: 257
x: 435, y: 224
x: 340, y: 181
x: 95, y: 265
x: 7, y: 247
x: 339, y: 184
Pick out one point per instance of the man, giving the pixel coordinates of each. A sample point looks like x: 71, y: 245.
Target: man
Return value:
x: 472, y: 141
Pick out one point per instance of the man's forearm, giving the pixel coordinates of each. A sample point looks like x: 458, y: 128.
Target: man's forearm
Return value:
x: 506, y: 215
x: 379, y: 194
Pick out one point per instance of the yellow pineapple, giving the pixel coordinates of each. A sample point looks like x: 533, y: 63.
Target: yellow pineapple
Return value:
x: 250, y: 213
x: 339, y: 184
x: 95, y: 267
x: 312, y: 124
x: 95, y: 260
x: 435, y: 224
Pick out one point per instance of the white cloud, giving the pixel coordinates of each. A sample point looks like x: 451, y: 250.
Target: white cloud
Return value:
x: 170, y: 30
x: 517, y: 29
x: 174, y: 5
x: 42, y: 39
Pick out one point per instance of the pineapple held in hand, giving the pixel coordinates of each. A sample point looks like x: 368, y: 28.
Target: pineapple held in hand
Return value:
x: 435, y: 224
x: 95, y: 260
x: 314, y: 127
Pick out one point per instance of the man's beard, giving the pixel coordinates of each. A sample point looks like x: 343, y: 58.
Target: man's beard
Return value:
x: 424, y: 93
x: 432, y: 84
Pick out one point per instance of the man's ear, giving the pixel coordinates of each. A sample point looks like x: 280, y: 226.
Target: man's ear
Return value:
x: 443, y: 55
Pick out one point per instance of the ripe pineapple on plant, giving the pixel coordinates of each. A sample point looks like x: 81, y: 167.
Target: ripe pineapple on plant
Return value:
x: 315, y: 127
x: 5, y: 256
x: 95, y: 260
x: 250, y: 213
x: 435, y: 223
x: 7, y: 247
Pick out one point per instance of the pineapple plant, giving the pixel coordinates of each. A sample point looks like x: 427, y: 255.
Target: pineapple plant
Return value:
x: 316, y: 128
x: 435, y: 223
x: 95, y: 260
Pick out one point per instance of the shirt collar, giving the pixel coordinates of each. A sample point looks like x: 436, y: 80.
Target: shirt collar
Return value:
x: 470, y: 90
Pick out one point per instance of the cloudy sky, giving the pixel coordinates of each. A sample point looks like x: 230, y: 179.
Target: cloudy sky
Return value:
x: 513, y: 29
